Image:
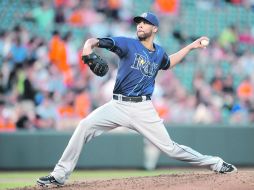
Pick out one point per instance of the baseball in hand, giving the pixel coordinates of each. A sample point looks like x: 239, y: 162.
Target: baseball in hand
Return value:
x: 204, y: 42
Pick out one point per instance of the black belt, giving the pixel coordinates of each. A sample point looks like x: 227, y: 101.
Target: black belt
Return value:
x: 131, y: 99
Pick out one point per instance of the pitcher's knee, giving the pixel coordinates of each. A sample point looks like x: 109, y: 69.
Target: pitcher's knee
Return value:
x: 87, y: 129
x: 169, y: 148
x: 85, y: 124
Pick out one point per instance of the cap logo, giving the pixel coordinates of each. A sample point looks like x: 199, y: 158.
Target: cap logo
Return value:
x: 144, y: 15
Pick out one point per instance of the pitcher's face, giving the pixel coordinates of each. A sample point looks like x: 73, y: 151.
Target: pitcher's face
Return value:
x: 145, y: 30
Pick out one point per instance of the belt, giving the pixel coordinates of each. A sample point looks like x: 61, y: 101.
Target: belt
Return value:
x: 131, y: 99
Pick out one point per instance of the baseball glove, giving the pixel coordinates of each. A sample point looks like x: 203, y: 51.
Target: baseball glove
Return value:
x: 96, y: 64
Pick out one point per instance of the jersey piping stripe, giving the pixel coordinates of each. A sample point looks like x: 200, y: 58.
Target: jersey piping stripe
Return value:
x: 143, y: 76
x: 136, y: 86
x: 186, y: 150
x: 114, y: 43
x: 142, y: 88
x: 168, y: 62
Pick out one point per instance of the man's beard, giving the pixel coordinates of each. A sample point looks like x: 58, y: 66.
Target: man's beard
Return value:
x: 144, y: 36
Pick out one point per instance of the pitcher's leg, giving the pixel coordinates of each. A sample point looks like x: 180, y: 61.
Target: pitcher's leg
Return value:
x: 160, y: 138
x: 101, y: 120
x: 185, y: 153
x: 149, y: 124
x: 84, y: 132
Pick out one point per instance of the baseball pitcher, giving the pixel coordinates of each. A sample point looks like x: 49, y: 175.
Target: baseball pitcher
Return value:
x: 131, y: 105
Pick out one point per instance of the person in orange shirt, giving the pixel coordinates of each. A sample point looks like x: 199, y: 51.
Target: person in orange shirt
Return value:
x: 82, y: 104
x: 114, y: 6
x: 168, y: 12
x: 166, y: 6
x: 76, y: 17
x: 67, y: 116
x: 245, y: 90
x: 66, y: 109
x: 6, y: 124
x: 58, y: 56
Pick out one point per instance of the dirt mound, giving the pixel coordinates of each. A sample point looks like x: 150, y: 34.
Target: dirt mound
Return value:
x: 243, y: 180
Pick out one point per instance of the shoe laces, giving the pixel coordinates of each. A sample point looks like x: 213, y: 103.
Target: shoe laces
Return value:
x: 225, y: 167
x: 49, y: 177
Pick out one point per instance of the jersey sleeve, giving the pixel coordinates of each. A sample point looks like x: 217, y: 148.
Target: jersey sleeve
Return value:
x: 165, y: 63
x: 118, y: 45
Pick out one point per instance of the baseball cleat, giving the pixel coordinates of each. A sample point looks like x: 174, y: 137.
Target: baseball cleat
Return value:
x: 48, y: 180
x: 227, y: 168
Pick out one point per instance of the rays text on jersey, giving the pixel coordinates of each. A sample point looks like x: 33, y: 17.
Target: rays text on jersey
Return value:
x: 141, y: 63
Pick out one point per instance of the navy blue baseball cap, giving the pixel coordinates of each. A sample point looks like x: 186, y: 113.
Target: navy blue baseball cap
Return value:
x: 149, y: 17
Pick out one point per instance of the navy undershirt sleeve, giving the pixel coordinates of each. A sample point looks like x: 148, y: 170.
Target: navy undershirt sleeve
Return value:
x: 118, y: 45
x: 165, y: 63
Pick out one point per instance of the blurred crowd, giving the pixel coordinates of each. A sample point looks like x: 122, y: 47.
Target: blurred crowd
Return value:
x: 45, y: 85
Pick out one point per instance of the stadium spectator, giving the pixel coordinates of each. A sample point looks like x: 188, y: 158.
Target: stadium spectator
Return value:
x: 55, y: 82
x: 6, y: 123
x: 198, y: 84
x: 217, y: 53
x: 2, y: 43
x: 246, y: 36
x: 25, y: 84
x: 228, y: 85
x: 239, y: 113
x: 43, y: 15
x: 66, y: 3
x: 46, y: 112
x: 25, y: 115
x: 246, y: 63
x: 59, y: 15
x: 86, y: 14
x: 2, y: 86
x: 217, y: 80
x: 245, y: 91
x: 113, y: 8
x: 18, y: 52
x: 72, y: 55
x: 67, y: 115
x: 125, y: 12
x: 228, y: 37
x: 168, y: 11
x: 58, y: 57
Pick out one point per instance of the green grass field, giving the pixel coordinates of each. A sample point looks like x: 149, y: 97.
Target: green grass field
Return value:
x: 15, y: 179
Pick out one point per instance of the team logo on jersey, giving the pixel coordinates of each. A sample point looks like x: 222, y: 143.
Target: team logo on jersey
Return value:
x: 141, y: 63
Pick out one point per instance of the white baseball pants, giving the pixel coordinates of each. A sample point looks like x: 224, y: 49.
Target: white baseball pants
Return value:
x: 141, y: 117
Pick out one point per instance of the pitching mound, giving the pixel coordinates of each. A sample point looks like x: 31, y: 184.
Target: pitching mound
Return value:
x: 243, y: 180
